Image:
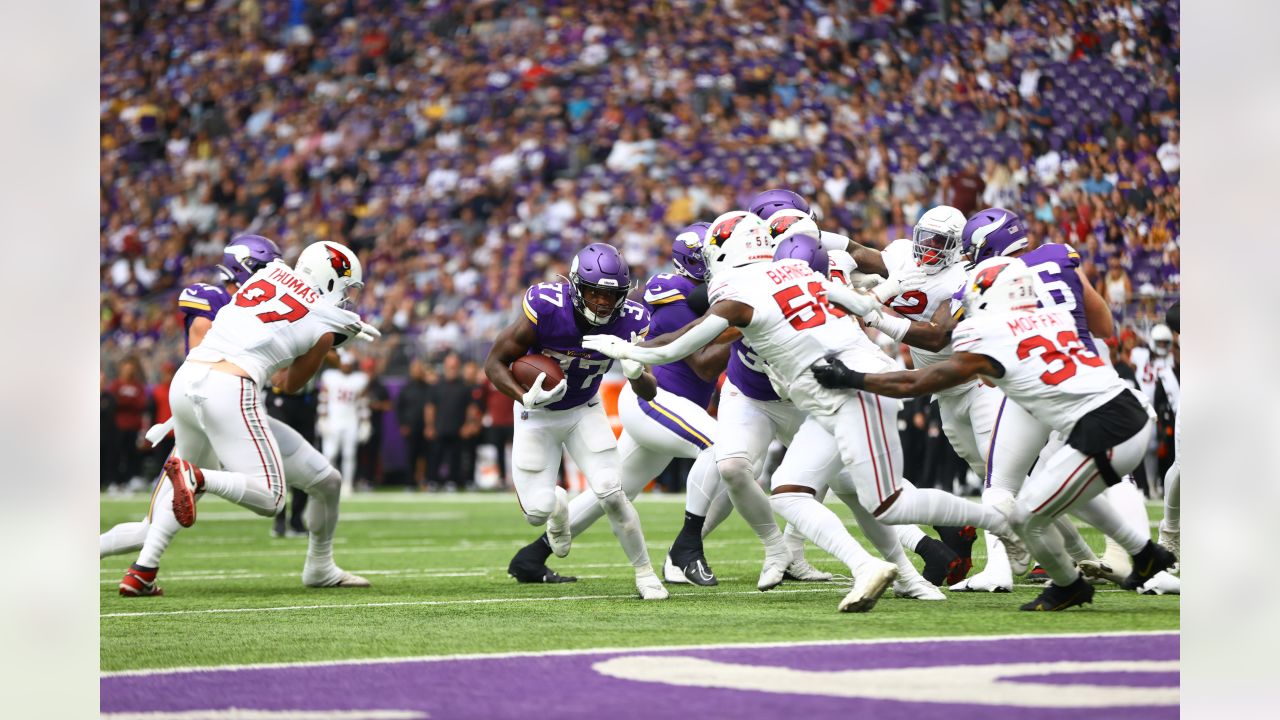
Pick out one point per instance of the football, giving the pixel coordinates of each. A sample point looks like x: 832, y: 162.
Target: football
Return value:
x: 527, y: 369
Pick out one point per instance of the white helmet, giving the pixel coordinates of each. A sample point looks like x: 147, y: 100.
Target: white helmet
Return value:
x: 1161, y: 339
x: 788, y: 223
x: 734, y: 239
x: 842, y: 267
x: 935, y: 241
x: 1000, y: 284
x: 332, y: 269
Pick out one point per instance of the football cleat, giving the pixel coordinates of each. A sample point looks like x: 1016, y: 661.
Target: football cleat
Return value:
x: 960, y: 541
x: 650, y: 587
x: 1055, y: 598
x: 1098, y: 571
x: 775, y: 568
x: 984, y: 582
x: 1019, y: 555
x: 139, y: 583
x: 873, y: 578
x: 916, y: 588
x: 1162, y: 584
x: 1037, y: 575
x: 938, y: 560
x: 537, y: 573
x: 559, y: 535
x: 187, y: 481
x: 694, y: 572
x: 1150, y: 560
x: 1169, y: 539
x: 801, y: 571
x: 333, y: 576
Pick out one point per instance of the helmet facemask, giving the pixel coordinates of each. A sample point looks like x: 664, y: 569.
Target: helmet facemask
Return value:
x: 934, y: 250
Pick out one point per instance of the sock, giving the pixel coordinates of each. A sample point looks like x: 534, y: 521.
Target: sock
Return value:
x: 702, y: 485
x: 793, y: 539
x: 123, y: 538
x: 917, y: 506
x: 816, y: 522
x: 1100, y: 513
x: 1073, y: 541
x: 626, y: 527
x: 163, y: 527
x: 1128, y: 500
x: 997, y: 566
x: 1045, y: 542
x: 1172, y: 481
x: 228, y: 485
x: 688, y: 543
x: 322, y: 519
x: 144, y: 573
x: 909, y: 536
x: 886, y: 539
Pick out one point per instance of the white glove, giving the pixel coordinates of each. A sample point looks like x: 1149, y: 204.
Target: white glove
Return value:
x: 536, y: 397
x: 368, y: 332
x: 632, y: 369
x: 159, y: 431
x: 908, y: 277
x: 613, y: 346
x: 858, y: 303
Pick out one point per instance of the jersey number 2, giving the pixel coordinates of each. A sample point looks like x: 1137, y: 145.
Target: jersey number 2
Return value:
x: 1050, y: 354
x: 261, y: 291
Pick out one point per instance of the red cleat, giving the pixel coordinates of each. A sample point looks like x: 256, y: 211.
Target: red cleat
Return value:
x: 139, y: 583
x: 187, y: 482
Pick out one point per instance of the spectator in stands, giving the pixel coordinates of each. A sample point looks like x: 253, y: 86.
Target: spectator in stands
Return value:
x: 131, y: 402
x: 411, y: 405
x: 446, y: 413
x: 1115, y: 287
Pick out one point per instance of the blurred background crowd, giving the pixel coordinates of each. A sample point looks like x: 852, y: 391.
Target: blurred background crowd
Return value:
x: 468, y: 149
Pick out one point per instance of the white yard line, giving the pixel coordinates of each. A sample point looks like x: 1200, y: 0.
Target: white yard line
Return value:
x: 640, y: 649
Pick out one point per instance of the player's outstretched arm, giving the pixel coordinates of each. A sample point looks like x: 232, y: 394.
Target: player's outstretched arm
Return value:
x: 512, y: 343
x: 689, y: 339
x: 306, y: 365
x: 959, y: 368
x: 1096, y: 313
x: 933, y: 335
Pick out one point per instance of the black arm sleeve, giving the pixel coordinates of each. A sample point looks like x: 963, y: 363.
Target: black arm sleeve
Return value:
x: 698, y: 301
x: 1173, y: 317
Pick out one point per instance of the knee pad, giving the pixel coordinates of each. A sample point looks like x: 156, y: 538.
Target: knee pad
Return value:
x: 606, y: 484
x: 736, y: 471
x: 538, y: 507
x: 612, y: 500
x: 328, y: 483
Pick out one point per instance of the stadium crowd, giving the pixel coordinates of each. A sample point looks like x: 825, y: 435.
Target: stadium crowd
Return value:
x: 468, y: 149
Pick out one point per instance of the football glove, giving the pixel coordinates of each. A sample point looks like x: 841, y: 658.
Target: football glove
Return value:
x: 835, y: 374
x: 901, y: 280
x: 611, y: 345
x: 536, y: 397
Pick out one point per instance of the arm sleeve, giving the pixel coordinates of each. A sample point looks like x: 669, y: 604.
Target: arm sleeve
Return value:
x: 685, y: 345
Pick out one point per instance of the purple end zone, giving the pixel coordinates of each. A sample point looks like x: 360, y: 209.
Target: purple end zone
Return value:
x: 569, y: 686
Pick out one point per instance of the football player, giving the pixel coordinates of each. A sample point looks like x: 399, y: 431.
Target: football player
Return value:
x: 281, y: 322
x: 570, y: 415
x: 1170, y: 529
x: 342, y: 407
x: 305, y: 468
x: 782, y: 309
x: 1036, y: 356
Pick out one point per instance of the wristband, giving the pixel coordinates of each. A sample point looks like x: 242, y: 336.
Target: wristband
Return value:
x: 891, y: 325
x: 833, y: 241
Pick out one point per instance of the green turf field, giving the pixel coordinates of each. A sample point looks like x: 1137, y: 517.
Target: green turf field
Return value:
x: 234, y: 595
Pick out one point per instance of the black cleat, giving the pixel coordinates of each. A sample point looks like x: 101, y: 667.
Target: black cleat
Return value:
x: 1055, y: 598
x: 1037, y: 575
x: 527, y: 573
x: 938, y: 561
x: 960, y: 540
x: 1150, y: 560
x: 694, y: 570
x: 277, y: 525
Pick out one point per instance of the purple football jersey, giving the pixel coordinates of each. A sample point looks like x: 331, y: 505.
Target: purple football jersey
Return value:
x: 200, y: 301
x: 667, y: 298
x: 746, y: 372
x: 550, y: 308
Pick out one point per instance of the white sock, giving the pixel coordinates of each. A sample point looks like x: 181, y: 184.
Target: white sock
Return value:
x: 997, y: 565
x: 816, y: 522
x: 626, y: 527
x: 917, y: 506
x: 702, y: 485
x: 322, y: 520
x: 1172, y: 481
x: 887, y: 539
x: 163, y: 527
x: 793, y: 538
x: 1073, y: 541
x: 909, y: 536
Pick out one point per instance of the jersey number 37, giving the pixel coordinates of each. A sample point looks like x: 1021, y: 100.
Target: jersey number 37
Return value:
x: 256, y: 293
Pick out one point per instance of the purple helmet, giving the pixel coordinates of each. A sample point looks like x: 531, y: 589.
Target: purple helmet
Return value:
x: 599, y: 268
x: 686, y: 251
x: 771, y: 201
x: 806, y: 248
x: 992, y: 232
x: 245, y: 256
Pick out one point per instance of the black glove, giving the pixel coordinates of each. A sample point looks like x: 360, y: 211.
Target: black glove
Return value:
x: 835, y: 374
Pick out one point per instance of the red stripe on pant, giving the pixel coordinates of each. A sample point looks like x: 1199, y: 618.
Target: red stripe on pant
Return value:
x: 893, y: 476
x: 875, y: 467
x: 262, y: 426
x: 1064, y: 485
x: 266, y: 472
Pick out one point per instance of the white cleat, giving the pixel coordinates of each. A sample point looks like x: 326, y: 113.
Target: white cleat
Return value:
x: 673, y: 574
x: 333, y: 577
x: 650, y: 587
x: 873, y: 579
x: 802, y: 571
x: 559, y: 535
x: 1162, y: 583
x: 917, y: 588
x: 1169, y: 539
x: 775, y: 569
x: 1096, y: 571
x: 983, y: 582
x: 1019, y: 555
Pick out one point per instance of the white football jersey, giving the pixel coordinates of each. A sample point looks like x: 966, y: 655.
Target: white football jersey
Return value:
x: 1150, y: 369
x: 275, y: 317
x: 342, y: 392
x: 937, y: 291
x: 793, y: 325
x: 1047, y: 370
